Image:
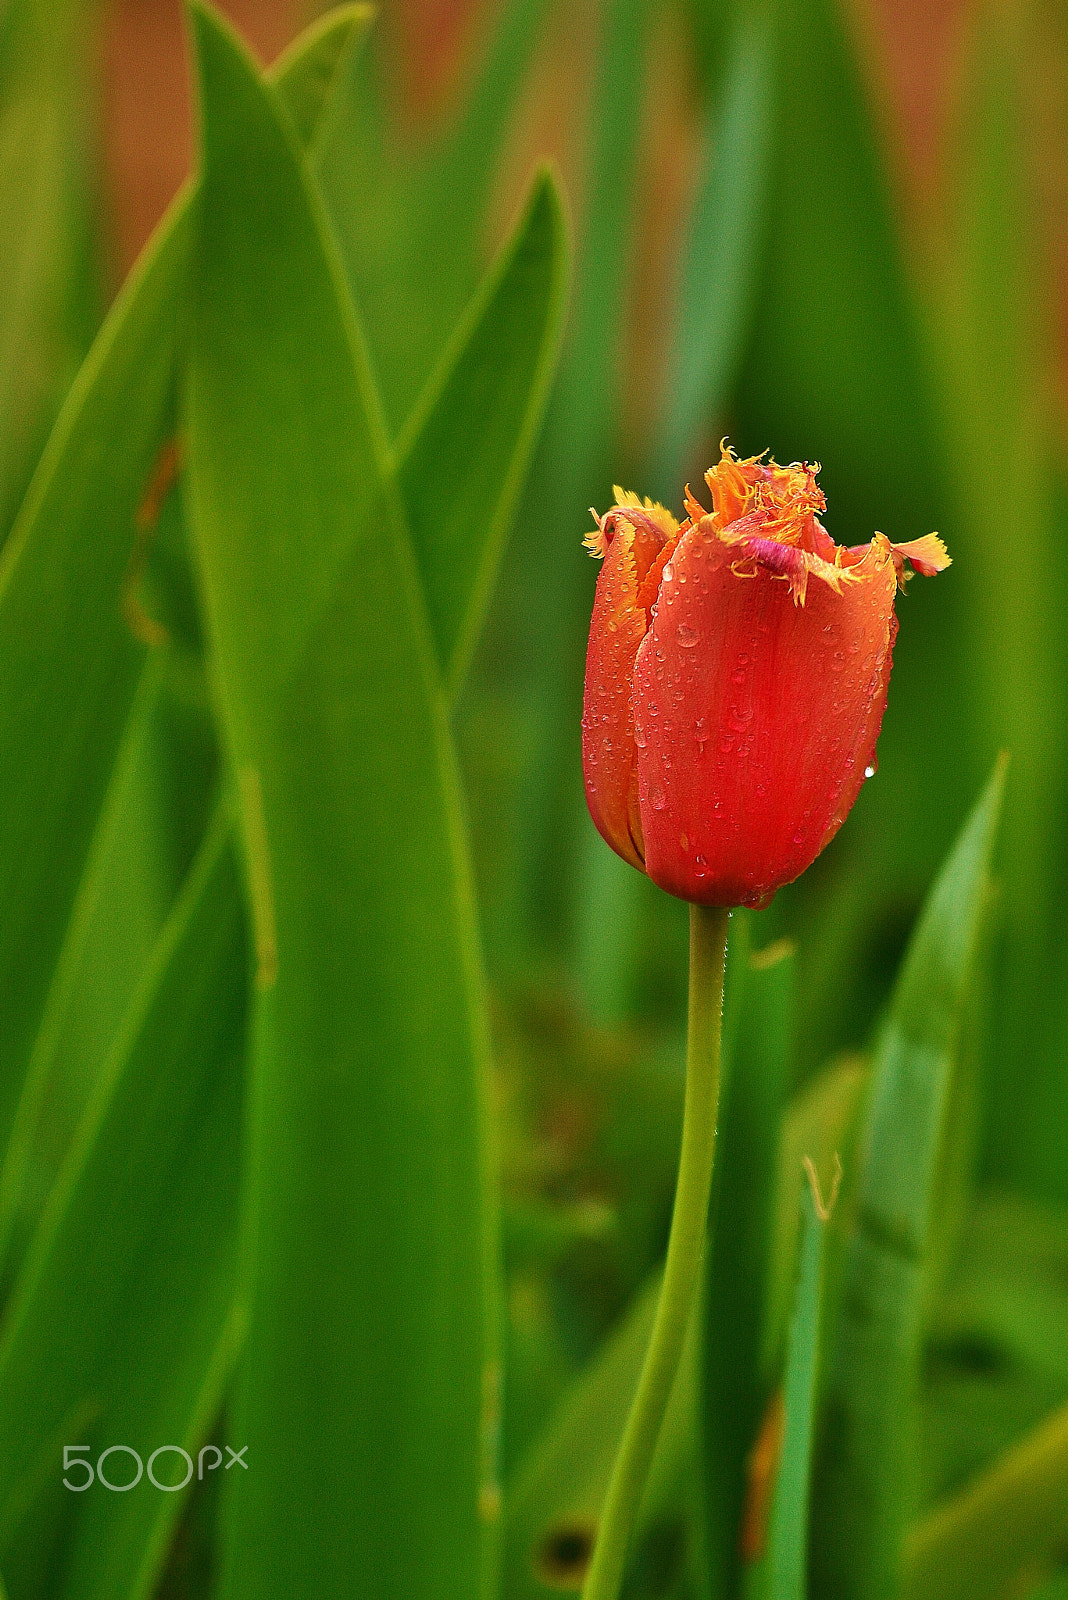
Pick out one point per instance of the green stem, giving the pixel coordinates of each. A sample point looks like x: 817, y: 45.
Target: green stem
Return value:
x: 708, y: 947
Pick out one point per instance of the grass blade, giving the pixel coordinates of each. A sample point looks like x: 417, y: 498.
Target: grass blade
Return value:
x: 866, y: 1492
x: 371, y: 1348
x: 788, y: 1533
x: 737, y: 1379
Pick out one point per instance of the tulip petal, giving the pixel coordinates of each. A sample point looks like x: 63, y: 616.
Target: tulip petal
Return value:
x: 755, y: 718
x: 608, y: 749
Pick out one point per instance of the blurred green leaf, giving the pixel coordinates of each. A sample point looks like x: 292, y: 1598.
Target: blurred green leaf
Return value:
x: 409, y: 205
x: 716, y: 281
x: 737, y: 1381
x: 118, y: 1329
x: 545, y: 603
x: 867, y: 1485
x: 68, y: 658
x: 995, y: 396
x: 834, y: 371
x: 464, y: 453
x: 820, y: 1122
x: 46, y: 60
x: 788, y: 1530
x: 122, y: 900
x: 1008, y: 1525
x: 996, y: 1346
x: 368, y: 1395
x: 555, y: 1495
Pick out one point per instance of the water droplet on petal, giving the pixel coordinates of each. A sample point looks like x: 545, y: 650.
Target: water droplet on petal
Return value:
x: 685, y: 636
x: 658, y: 799
x: 869, y: 772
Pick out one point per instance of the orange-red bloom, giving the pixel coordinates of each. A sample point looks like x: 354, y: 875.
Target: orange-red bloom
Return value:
x: 736, y: 679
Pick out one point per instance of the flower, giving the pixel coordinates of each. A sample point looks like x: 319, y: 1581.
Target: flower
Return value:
x: 736, y: 679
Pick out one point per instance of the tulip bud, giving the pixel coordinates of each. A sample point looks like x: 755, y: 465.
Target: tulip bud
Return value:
x: 736, y: 679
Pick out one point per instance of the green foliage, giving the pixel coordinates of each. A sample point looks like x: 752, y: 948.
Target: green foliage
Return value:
x: 289, y: 736
x: 867, y: 1488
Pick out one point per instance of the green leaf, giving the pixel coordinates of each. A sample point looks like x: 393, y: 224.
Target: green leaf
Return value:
x: 310, y: 74
x: 788, y: 1531
x: 1009, y: 1525
x: 465, y: 451
x: 118, y: 1330
x: 867, y: 1493
x: 410, y: 205
x: 834, y: 370
x: 821, y: 1122
x: 716, y: 280
x: 68, y: 659
x: 737, y: 1380
x: 555, y: 1495
x: 371, y: 1356
x: 45, y: 115
x: 545, y: 611
x: 122, y: 900
x: 994, y: 348
x: 996, y: 1346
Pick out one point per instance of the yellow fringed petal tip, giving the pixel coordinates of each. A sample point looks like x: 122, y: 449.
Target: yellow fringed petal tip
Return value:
x: 599, y: 538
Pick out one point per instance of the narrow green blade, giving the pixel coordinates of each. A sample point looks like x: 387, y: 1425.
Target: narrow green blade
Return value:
x: 371, y: 1347
x: 737, y: 1383
x: 788, y: 1532
x: 465, y: 452
x: 115, y: 1333
x: 866, y: 1490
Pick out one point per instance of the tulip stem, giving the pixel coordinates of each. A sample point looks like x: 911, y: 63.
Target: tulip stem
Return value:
x: 708, y: 949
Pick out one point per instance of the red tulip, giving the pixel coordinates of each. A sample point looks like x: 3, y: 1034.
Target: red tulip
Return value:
x: 736, y: 680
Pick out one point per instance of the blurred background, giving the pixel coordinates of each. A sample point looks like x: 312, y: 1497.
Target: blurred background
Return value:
x: 837, y: 232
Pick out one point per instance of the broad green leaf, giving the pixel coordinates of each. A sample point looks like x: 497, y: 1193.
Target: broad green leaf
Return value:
x: 371, y: 1259
x: 716, y: 279
x: 555, y: 1495
x: 867, y: 1491
x: 118, y: 1330
x: 464, y: 454
x: 45, y: 93
x: 69, y: 662
x: 737, y: 1383
x: 788, y: 1529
